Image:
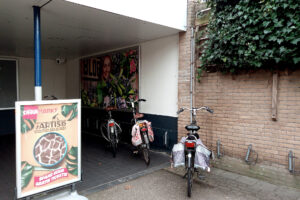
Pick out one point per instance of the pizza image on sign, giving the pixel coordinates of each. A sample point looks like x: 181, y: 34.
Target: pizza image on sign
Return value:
x: 50, y: 149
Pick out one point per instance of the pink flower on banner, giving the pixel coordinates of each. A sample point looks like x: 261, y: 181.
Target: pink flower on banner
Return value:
x: 132, y: 66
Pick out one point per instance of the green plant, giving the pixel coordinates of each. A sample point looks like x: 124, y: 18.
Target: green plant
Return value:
x: 67, y: 109
x: 72, y: 161
x: 249, y: 35
x: 26, y: 173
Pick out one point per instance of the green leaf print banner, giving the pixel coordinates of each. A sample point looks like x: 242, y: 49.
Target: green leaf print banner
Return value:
x: 109, y: 80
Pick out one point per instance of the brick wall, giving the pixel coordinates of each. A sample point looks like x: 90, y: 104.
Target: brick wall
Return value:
x: 242, y: 106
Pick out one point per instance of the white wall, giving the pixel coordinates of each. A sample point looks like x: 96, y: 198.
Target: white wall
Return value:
x: 159, y: 76
x: 164, y: 12
x: 53, y: 79
x: 73, y: 79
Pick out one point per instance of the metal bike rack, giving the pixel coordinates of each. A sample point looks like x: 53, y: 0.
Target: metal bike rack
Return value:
x: 291, y: 162
x: 250, y: 152
x: 166, y: 139
x: 219, y: 149
x: 291, y: 167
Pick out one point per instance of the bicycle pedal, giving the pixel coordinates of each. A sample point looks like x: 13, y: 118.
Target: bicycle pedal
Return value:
x: 135, y: 153
x: 201, y: 176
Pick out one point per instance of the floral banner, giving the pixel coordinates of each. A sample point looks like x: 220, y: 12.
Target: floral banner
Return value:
x: 48, y: 145
x: 108, y: 80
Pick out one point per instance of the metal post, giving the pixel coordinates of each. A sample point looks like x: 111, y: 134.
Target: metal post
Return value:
x: 291, y: 162
x: 218, y: 149
x: 166, y: 139
x: 37, y: 54
x: 248, y: 153
x: 73, y: 187
x: 192, y: 71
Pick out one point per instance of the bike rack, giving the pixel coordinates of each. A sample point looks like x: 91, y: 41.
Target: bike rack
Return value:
x: 219, y: 149
x: 291, y: 167
x: 166, y: 139
x: 248, y: 154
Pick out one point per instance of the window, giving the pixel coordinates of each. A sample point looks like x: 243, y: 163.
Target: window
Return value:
x: 8, y: 83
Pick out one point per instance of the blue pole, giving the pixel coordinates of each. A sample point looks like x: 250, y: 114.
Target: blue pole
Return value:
x: 37, y: 53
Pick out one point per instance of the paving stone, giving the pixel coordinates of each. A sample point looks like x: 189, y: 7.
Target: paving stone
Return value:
x: 287, y: 194
x: 246, y: 180
x: 229, y: 175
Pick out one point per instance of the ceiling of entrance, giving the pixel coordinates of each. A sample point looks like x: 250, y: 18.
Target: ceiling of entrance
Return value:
x: 70, y: 30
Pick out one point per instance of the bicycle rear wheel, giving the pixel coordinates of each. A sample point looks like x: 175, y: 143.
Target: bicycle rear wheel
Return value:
x: 146, y: 156
x: 189, y: 182
x: 113, y: 144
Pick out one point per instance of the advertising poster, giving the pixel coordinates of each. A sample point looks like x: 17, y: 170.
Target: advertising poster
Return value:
x: 108, y: 80
x: 48, y: 151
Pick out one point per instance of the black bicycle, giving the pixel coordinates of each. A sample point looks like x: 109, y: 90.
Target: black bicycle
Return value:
x: 144, y: 147
x: 190, y: 145
x: 111, y: 131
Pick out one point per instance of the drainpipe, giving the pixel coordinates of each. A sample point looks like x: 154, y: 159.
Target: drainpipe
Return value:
x: 37, y: 54
x: 192, y: 70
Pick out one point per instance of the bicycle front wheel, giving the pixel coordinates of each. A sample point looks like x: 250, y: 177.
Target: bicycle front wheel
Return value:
x: 146, y: 156
x: 189, y: 182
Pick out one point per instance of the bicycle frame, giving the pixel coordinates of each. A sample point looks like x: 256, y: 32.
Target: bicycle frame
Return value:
x: 190, y: 144
x: 112, y: 132
x: 145, y: 146
x: 190, y: 148
x: 144, y: 136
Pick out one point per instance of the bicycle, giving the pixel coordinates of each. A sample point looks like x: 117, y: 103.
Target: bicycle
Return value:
x: 143, y: 146
x: 111, y: 131
x: 190, y: 144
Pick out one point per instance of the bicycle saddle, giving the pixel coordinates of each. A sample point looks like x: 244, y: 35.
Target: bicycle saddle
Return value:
x: 138, y: 115
x: 192, y: 127
x: 110, y: 108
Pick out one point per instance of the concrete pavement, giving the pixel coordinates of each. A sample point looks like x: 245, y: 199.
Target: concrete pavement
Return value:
x: 169, y: 184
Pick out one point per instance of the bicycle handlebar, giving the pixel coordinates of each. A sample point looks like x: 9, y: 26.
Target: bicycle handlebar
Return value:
x: 131, y: 101
x: 201, y: 108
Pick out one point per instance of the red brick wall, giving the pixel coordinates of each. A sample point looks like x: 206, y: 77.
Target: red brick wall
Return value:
x: 242, y: 115
x: 242, y: 106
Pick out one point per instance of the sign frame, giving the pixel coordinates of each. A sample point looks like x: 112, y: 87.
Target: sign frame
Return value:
x: 18, y: 105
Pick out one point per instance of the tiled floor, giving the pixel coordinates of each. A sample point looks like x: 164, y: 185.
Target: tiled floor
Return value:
x: 100, y: 169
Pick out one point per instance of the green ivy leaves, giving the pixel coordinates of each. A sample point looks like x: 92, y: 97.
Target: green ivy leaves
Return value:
x: 67, y: 109
x: 247, y: 35
x: 72, y: 161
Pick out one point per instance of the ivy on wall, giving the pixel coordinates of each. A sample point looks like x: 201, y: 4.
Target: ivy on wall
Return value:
x: 247, y: 35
